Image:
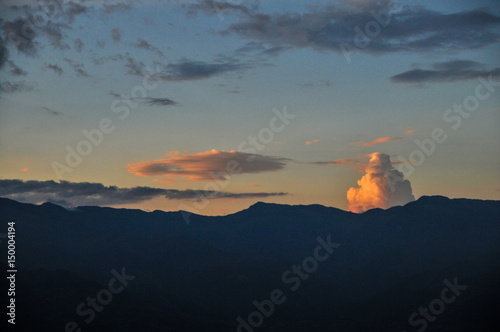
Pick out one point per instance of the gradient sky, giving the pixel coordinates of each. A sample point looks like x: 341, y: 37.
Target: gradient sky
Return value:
x: 222, y: 67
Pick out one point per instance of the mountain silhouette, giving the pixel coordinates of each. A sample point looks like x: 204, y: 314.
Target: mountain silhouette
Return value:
x: 203, y: 274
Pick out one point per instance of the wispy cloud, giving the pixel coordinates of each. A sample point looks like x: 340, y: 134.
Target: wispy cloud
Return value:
x: 55, y: 68
x: 116, y: 35
x: 151, y: 101
x: 312, y: 142
x: 207, y: 166
x: 15, y: 70
x: 377, y: 141
x: 449, y: 71
x: 71, y: 194
x: 12, y: 87
x: 145, y: 45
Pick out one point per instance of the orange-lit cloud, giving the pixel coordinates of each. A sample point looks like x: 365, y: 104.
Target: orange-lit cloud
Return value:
x: 376, y: 141
x: 411, y: 131
x: 312, y: 142
x: 25, y: 170
x: 207, y: 166
x: 381, y: 187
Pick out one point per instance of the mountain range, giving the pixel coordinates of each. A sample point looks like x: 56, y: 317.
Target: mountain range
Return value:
x: 372, y: 272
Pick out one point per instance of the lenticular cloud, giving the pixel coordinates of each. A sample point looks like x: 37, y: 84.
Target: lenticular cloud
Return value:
x: 381, y: 187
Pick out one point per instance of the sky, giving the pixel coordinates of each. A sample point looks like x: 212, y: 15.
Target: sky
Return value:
x: 210, y: 106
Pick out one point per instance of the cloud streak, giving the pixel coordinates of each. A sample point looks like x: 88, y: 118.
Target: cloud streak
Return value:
x: 377, y: 141
x: 71, y: 194
x: 449, y: 71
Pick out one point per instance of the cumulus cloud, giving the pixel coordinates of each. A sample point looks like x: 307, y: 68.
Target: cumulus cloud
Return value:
x: 72, y: 194
x: 382, y: 186
x: 376, y: 141
x: 207, y: 166
x: 449, y: 71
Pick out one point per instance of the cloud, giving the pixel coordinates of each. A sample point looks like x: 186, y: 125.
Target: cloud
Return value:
x: 17, y: 33
x: 381, y: 187
x: 12, y: 87
x: 207, y: 166
x: 115, y: 7
x: 4, y: 53
x: 15, y: 70
x: 312, y: 142
x: 79, y: 68
x: 411, y: 132
x: 73, y: 194
x: 377, y: 141
x: 332, y: 28
x: 188, y: 70
x: 116, y: 35
x: 52, y: 112
x: 78, y: 45
x: 449, y: 71
x: 151, y: 101
x: 142, y: 43
x: 212, y: 7
x: 58, y: 70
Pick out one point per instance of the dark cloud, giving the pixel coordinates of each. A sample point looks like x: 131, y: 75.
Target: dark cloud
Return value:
x: 73, y: 9
x: 78, y: 45
x: 141, y: 43
x: 11, y: 87
x: 211, y: 7
x: 151, y: 101
x: 79, y: 68
x: 15, y: 70
x: 52, y: 112
x: 21, y: 35
x: 410, y: 28
x: 134, y: 67
x: 4, y: 53
x: 115, y: 7
x: 159, y: 101
x: 449, y: 71
x: 116, y: 35
x: 58, y: 70
x: 188, y: 70
x: 85, y: 193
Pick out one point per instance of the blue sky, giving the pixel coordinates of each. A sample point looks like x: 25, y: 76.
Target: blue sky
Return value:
x: 222, y: 68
